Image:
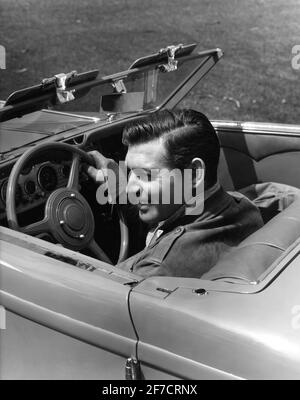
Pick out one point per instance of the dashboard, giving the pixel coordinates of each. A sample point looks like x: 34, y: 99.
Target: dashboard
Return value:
x: 50, y: 172
x: 35, y: 184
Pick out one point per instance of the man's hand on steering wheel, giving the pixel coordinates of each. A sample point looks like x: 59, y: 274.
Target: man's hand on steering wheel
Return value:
x: 105, y: 167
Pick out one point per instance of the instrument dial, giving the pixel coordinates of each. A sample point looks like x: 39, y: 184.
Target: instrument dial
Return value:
x: 3, y: 192
x: 47, y: 178
x: 29, y: 187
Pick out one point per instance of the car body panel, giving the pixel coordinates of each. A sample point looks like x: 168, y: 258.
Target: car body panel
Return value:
x: 91, y: 308
x: 31, y: 350
x: 220, y: 335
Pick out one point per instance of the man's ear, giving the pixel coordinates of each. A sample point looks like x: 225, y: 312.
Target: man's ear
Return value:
x: 198, y: 167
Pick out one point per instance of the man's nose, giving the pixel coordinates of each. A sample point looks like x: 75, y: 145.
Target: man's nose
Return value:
x: 133, y: 187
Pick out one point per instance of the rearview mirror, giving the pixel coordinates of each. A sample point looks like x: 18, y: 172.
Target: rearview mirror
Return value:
x: 122, y: 102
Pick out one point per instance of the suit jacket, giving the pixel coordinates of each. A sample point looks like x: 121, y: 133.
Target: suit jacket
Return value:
x: 190, y: 245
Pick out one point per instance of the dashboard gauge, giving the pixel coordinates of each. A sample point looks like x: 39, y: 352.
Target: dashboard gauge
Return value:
x: 3, y: 192
x: 47, y: 178
x: 29, y: 187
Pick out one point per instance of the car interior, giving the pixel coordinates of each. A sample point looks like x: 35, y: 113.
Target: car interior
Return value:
x: 250, y: 159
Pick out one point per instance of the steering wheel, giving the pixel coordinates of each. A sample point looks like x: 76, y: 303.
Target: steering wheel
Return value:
x: 67, y: 215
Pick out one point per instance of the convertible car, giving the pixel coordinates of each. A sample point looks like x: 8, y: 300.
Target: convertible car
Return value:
x: 67, y: 313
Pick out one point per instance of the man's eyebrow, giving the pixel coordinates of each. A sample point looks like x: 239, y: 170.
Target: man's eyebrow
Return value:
x: 142, y: 169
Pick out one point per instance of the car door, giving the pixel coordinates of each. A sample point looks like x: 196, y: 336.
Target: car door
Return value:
x: 61, y: 321
x: 197, y: 329
x: 173, y: 319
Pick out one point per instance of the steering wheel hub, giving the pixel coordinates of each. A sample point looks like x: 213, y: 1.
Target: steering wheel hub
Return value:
x: 74, y: 216
x: 70, y: 217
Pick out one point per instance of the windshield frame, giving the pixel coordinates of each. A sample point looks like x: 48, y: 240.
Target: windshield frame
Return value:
x: 19, y: 103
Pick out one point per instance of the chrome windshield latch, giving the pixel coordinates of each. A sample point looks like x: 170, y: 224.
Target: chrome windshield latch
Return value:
x: 172, y: 63
x: 63, y: 95
x: 119, y: 86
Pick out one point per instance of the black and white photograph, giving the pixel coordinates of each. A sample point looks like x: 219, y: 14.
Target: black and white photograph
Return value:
x: 149, y: 192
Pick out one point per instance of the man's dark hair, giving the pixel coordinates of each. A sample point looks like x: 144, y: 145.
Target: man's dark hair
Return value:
x: 186, y: 134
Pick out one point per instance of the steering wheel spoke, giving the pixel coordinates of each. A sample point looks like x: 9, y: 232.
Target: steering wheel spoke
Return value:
x: 37, y: 227
x: 73, y: 182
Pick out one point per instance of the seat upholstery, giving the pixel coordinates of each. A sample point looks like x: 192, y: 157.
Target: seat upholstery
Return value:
x: 255, y: 254
x: 247, y: 158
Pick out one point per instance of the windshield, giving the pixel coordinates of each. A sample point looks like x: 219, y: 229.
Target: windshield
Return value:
x: 138, y: 91
x: 151, y: 83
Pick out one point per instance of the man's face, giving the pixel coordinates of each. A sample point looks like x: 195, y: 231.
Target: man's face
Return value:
x: 149, y: 182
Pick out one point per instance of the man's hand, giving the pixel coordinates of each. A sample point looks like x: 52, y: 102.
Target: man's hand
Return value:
x: 103, y: 164
x: 109, y: 174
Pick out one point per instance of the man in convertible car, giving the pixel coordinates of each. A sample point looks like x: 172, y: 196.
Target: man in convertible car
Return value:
x: 184, y: 239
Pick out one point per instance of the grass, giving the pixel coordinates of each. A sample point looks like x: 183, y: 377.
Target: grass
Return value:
x: 254, y: 81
